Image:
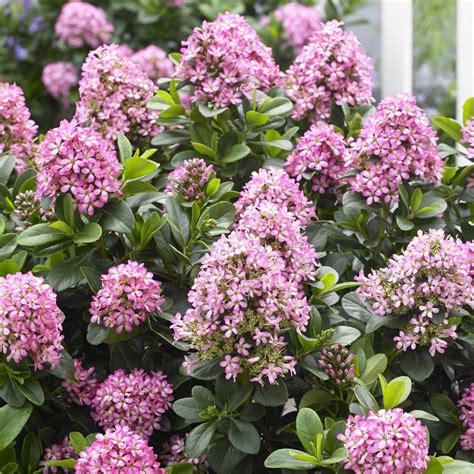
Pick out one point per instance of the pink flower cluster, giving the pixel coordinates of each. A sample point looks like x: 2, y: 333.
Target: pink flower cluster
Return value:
x: 432, y: 276
x: 224, y: 59
x: 249, y: 287
x: 386, y: 442
x: 319, y: 158
x: 57, y: 452
x: 173, y: 452
x: 118, y: 451
x: 82, y: 24
x: 136, y: 400
x: 299, y: 23
x: 83, y: 387
x: 466, y: 406
x: 114, y: 93
x: 128, y: 294
x: 17, y: 130
x: 332, y: 68
x: 468, y: 137
x: 78, y: 160
x: 59, y: 78
x: 154, y: 61
x: 30, y: 321
x: 338, y: 364
x: 278, y: 188
x: 395, y: 144
x: 190, y: 179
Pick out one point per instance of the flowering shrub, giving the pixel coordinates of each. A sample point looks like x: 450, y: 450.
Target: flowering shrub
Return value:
x: 224, y: 59
x: 118, y: 450
x: 30, y: 320
x: 331, y: 68
x: 319, y: 158
x: 386, y: 441
x: 299, y: 22
x: 17, y: 130
x: 395, y: 144
x: 78, y: 160
x: 59, y: 78
x: 114, y: 92
x: 82, y: 24
x: 468, y: 137
x: 127, y: 296
x: 134, y: 400
x: 430, y: 278
x: 284, y: 281
x: 154, y: 61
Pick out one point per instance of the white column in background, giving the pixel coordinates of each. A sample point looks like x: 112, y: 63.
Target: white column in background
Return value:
x: 465, y: 53
x: 397, y: 46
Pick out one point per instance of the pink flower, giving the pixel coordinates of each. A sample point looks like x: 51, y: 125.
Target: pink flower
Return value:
x: 154, y: 61
x: 468, y: 137
x: 173, y: 452
x: 82, y: 388
x: 396, y: 144
x: 17, y: 130
x: 128, y: 294
x: 114, y: 93
x: 466, y: 406
x: 30, y: 321
x: 319, y: 158
x: 338, y: 364
x: 278, y: 188
x: 386, y: 442
x: 82, y: 24
x: 59, y: 78
x: 224, y: 59
x: 431, y: 277
x: 79, y: 161
x: 299, y: 23
x: 190, y: 179
x: 57, y: 452
x: 231, y: 366
x: 332, y: 68
x: 136, y: 400
x: 118, y: 451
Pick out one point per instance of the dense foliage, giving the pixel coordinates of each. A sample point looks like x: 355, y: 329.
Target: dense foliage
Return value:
x: 218, y: 263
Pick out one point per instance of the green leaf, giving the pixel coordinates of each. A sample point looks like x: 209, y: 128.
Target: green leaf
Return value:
x: 117, y: 217
x: 32, y: 391
x: 434, y: 467
x: 12, y: 421
x: 308, y: 426
x: 207, y: 369
x: 445, y: 408
x: 447, y: 443
x: 65, y: 368
x: 375, y: 365
x: 93, y: 278
x: 78, y: 441
x: 189, y: 409
x: 276, y: 106
x: 124, y: 146
x: 431, y: 206
x: 236, y: 153
x: 173, y: 111
x: 7, y: 163
x: 396, y: 392
x: 199, y: 438
x: 365, y: 398
x: 404, y: 224
x: 316, y: 398
x: 283, y: 459
x: 212, y: 186
x: 340, y: 454
x: 356, y: 308
x: 8, y: 243
x: 417, y: 364
x: 66, y: 463
x: 345, y: 335
x: 449, y: 126
x: 8, y: 267
x: 68, y: 274
x: 256, y: 118
x: 204, y: 150
x: 416, y: 199
x: 468, y: 110
x: 271, y: 395
x: 423, y: 415
x: 171, y: 137
x: 244, y: 436
x: 30, y: 452
x: 96, y: 334
x: 232, y: 395
x: 136, y: 168
x: 88, y: 234
x: 178, y: 221
x: 40, y: 234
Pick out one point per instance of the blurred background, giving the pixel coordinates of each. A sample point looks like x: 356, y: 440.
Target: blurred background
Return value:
x: 28, y: 41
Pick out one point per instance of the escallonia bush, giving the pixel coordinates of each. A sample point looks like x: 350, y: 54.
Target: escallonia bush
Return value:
x: 222, y: 271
